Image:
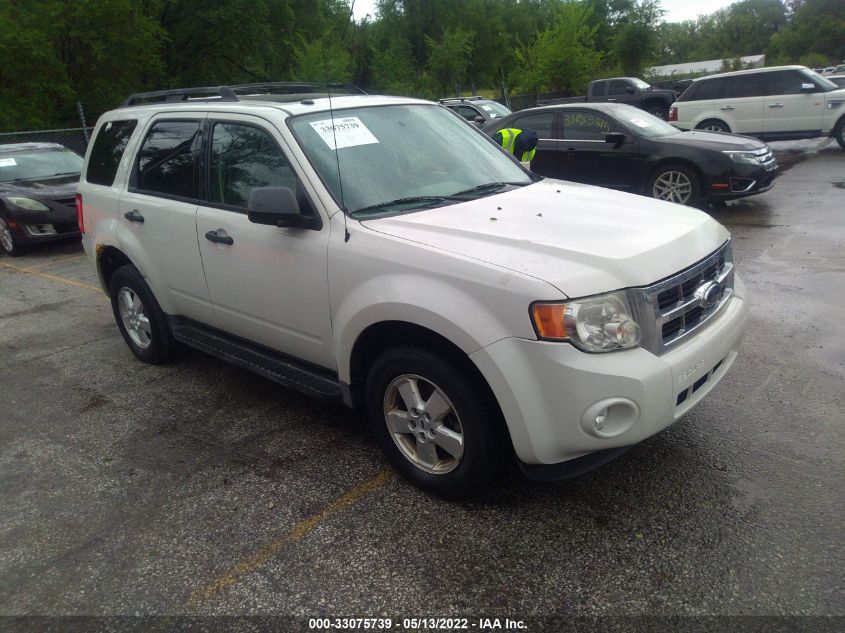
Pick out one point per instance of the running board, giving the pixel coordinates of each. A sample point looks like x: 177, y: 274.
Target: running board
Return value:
x: 280, y: 368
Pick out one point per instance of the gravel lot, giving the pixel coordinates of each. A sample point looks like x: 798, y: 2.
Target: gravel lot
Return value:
x: 199, y: 489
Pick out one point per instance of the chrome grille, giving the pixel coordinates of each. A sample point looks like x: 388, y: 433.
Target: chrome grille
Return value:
x: 767, y: 158
x: 669, y: 311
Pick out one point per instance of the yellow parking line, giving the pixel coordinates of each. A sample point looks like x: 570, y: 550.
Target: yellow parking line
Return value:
x: 64, y: 280
x: 297, y: 533
x: 59, y: 260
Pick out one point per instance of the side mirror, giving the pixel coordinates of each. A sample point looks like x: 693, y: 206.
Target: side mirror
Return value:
x: 617, y: 138
x: 276, y: 206
x: 478, y: 120
x: 630, y: 90
x: 808, y: 87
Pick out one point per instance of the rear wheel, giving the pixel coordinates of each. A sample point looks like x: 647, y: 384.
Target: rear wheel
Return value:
x: 674, y: 183
x: 8, y: 243
x: 432, y: 422
x: 140, y: 319
x: 839, y: 132
x: 714, y: 125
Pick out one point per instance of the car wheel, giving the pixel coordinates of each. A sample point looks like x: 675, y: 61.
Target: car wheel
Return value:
x: 674, y: 183
x: 839, y: 132
x: 140, y: 319
x: 714, y: 125
x: 433, y: 423
x: 661, y: 112
x: 7, y: 241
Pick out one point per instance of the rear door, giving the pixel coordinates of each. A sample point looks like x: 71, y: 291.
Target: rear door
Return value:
x: 546, y: 161
x: 789, y: 109
x: 741, y: 103
x: 157, y: 215
x: 268, y: 284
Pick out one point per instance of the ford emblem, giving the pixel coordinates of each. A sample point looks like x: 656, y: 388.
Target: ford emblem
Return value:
x: 708, y: 294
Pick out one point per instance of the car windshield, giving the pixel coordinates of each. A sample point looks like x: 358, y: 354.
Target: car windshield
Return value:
x: 398, y: 158
x: 643, y: 123
x: 36, y: 164
x: 639, y: 83
x: 495, y: 110
x: 819, y: 80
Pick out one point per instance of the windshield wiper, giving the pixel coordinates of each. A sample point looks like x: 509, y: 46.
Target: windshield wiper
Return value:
x: 63, y: 173
x: 491, y: 187
x: 408, y: 200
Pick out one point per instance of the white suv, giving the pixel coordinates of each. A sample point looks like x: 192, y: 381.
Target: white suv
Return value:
x: 349, y: 249
x: 779, y: 103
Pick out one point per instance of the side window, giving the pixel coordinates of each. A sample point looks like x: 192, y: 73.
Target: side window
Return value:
x: 540, y: 123
x: 166, y: 159
x: 784, y: 82
x: 617, y: 87
x: 108, y: 150
x: 744, y: 86
x: 467, y: 112
x: 599, y: 89
x: 244, y: 157
x: 707, y: 90
x: 585, y: 126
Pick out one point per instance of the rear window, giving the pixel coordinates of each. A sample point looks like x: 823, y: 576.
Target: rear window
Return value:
x: 107, y: 151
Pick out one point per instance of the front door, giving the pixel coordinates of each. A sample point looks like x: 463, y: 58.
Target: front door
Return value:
x: 788, y: 109
x: 268, y: 285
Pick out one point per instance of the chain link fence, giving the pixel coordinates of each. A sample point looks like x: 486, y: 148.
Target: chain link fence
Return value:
x: 521, y: 102
x: 72, y: 138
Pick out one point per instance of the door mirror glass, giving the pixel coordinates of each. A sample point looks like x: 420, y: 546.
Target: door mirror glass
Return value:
x: 630, y: 90
x: 478, y: 120
x: 617, y: 138
x: 276, y: 206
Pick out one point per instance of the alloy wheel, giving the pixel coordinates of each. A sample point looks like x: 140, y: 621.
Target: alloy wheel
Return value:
x: 714, y: 127
x: 6, y: 237
x: 673, y: 186
x: 423, y: 424
x: 134, y: 317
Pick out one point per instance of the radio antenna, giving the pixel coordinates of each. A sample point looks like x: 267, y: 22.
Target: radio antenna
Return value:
x: 336, y: 150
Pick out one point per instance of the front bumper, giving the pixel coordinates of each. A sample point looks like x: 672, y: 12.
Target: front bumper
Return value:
x: 551, y: 393
x: 30, y: 227
x: 740, y: 182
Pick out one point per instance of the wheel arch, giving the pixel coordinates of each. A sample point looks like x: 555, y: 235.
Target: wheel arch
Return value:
x: 700, y: 125
x: 109, y: 259
x: 675, y: 160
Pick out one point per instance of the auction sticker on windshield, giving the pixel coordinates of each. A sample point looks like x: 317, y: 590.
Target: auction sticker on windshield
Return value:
x: 344, y: 132
x: 640, y: 122
x: 8, y: 162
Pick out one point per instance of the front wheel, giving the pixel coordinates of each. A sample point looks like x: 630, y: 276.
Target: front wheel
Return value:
x: 674, y: 183
x: 8, y: 242
x: 433, y: 423
x: 839, y: 132
x: 140, y: 319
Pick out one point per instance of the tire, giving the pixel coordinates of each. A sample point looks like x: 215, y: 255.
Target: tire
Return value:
x: 139, y: 318
x: 461, y: 420
x: 674, y: 183
x: 713, y: 125
x: 658, y: 110
x: 839, y: 132
x: 8, y: 242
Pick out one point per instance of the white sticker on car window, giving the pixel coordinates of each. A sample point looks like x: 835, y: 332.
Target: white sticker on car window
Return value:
x: 7, y: 162
x: 488, y: 108
x: 346, y: 132
x: 640, y: 122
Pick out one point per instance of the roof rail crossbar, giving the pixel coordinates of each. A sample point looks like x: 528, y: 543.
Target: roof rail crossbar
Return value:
x: 219, y: 93
x: 472, y: 98
x: 294, y: 86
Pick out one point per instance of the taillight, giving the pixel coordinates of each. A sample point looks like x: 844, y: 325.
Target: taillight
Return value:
x: 80, y: 216
x: 673, y: 113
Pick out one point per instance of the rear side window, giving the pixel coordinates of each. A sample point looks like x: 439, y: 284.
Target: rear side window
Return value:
x: 166, y: 159
x: 107, y: 151
x: 703, y: 90
x: 599, y: 89
x: 242, y: 158
x: 745, y: 86
x: 540, y: 123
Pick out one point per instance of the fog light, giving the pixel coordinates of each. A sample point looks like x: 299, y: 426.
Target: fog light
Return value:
x: 610, y: 417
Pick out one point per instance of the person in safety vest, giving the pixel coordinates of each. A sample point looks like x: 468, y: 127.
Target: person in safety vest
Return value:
x: 520, y: 143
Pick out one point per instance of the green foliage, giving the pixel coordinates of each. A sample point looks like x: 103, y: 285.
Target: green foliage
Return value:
x: 817, y: 26
x: 321, y: 60
x: 448, y: 59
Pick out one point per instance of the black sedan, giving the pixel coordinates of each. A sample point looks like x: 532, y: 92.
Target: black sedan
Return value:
x: 37, y: 191
x: 622, y: 147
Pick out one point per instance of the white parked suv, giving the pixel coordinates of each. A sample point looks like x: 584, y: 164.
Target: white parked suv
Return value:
x: 350, y: 251
x: 779, y: 103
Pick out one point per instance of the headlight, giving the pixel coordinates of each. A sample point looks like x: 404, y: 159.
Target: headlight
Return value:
x: 27, y: 203
x: 595, y: 324
x: 749, y: 158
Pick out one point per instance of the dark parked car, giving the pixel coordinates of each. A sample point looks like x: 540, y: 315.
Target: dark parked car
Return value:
x: 621, y: 147
x: 476, y: 109
x: 627, y: 90
x: 37, y: 191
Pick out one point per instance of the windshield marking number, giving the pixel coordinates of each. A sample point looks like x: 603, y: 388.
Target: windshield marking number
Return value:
x: 347, y: 131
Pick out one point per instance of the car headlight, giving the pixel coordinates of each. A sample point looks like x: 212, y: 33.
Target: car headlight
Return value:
x: 594, y: 324
x: 749, y: 158
x: 27, y: 203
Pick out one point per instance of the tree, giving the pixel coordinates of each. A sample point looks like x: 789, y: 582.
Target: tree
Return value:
x: 448, y: 59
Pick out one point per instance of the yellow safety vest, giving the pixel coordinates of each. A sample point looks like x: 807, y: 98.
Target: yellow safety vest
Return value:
x: 509, y: 135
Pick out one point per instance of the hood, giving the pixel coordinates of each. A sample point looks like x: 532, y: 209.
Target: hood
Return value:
x: 581, y: 239
x: 46, y: 188
x: 713, y: 140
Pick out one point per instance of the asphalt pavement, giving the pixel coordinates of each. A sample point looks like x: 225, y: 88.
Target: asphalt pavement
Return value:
x: 196, y: 488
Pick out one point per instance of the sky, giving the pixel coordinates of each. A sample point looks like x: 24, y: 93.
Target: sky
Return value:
x: 676, y: 10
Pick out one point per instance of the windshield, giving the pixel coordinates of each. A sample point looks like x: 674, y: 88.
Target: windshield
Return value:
x: 819, y: 80
x: 639, y: 83
x: 399, y: 152
x: 32, y: 165
x: 643, y: 123
x: 495, y: 110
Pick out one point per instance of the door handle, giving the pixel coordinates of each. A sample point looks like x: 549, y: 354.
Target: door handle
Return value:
x: 214, y: 236
x: 611, y: 99
x: 775, y: 105
x: 570, y: 150
x: 726, y: 108
x: 134, y: 216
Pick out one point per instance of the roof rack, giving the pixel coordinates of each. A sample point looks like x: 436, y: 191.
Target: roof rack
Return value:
x: 219, y: 93
x: 472, y: 98
x: 230, y: 93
